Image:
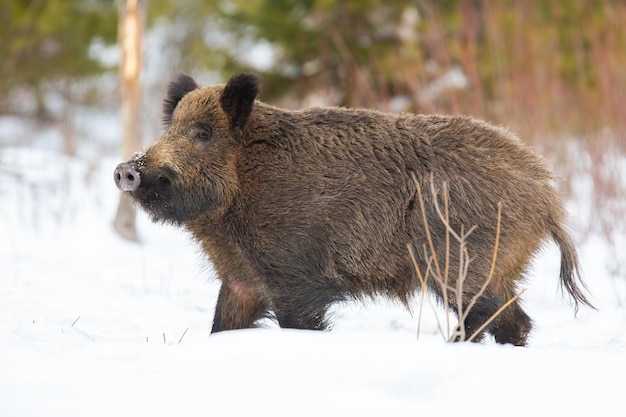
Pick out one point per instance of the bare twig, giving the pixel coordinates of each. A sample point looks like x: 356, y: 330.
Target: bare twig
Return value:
x: 464, y: 259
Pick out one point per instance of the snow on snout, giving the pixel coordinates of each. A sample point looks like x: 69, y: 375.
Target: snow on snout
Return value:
x: 138, y: 159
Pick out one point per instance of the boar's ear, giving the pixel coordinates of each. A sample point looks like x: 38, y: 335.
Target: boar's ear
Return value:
x: 176, y: 90
x: 238, y: 98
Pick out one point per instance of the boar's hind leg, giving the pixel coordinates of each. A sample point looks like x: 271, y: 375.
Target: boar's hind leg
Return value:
x: 512, y: 325
x: 237, y: 308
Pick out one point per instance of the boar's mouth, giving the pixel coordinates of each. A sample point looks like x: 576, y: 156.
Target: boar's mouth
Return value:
x: 158, y: 196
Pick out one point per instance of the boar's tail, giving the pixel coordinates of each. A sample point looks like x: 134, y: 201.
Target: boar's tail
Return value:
x: 570, y: 275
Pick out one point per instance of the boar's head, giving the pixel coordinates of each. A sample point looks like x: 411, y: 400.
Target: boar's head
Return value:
x: 191, y: 169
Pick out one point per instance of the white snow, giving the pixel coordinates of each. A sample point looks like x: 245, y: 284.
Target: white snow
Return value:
x: 91, y: 325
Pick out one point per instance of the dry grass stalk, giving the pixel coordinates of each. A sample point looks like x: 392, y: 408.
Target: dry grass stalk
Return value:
x: 184, y: 333
x: 424, y: 293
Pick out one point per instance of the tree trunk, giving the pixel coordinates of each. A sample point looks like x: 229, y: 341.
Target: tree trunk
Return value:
x: 130, y: 32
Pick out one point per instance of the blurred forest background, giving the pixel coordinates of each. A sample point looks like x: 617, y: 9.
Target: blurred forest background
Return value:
x: 551, y: 70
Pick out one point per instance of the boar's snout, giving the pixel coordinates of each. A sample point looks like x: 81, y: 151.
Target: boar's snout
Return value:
x: 126, y: 177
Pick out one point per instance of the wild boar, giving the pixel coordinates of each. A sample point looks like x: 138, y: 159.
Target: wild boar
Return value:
x: 298, y: 210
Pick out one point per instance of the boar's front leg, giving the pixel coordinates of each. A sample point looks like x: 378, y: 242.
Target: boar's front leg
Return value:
x: 308, y: 320
x: 238, y: 307
x: 304, y: 306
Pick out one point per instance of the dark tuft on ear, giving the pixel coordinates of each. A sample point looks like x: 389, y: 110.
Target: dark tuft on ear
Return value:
x: 176, y: 90
x: 238, y: 99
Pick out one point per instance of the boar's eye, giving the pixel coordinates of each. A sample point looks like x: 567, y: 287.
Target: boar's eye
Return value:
x: 202, y: 133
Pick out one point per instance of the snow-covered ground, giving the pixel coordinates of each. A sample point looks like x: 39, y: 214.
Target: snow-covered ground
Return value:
x: 91, y: 325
